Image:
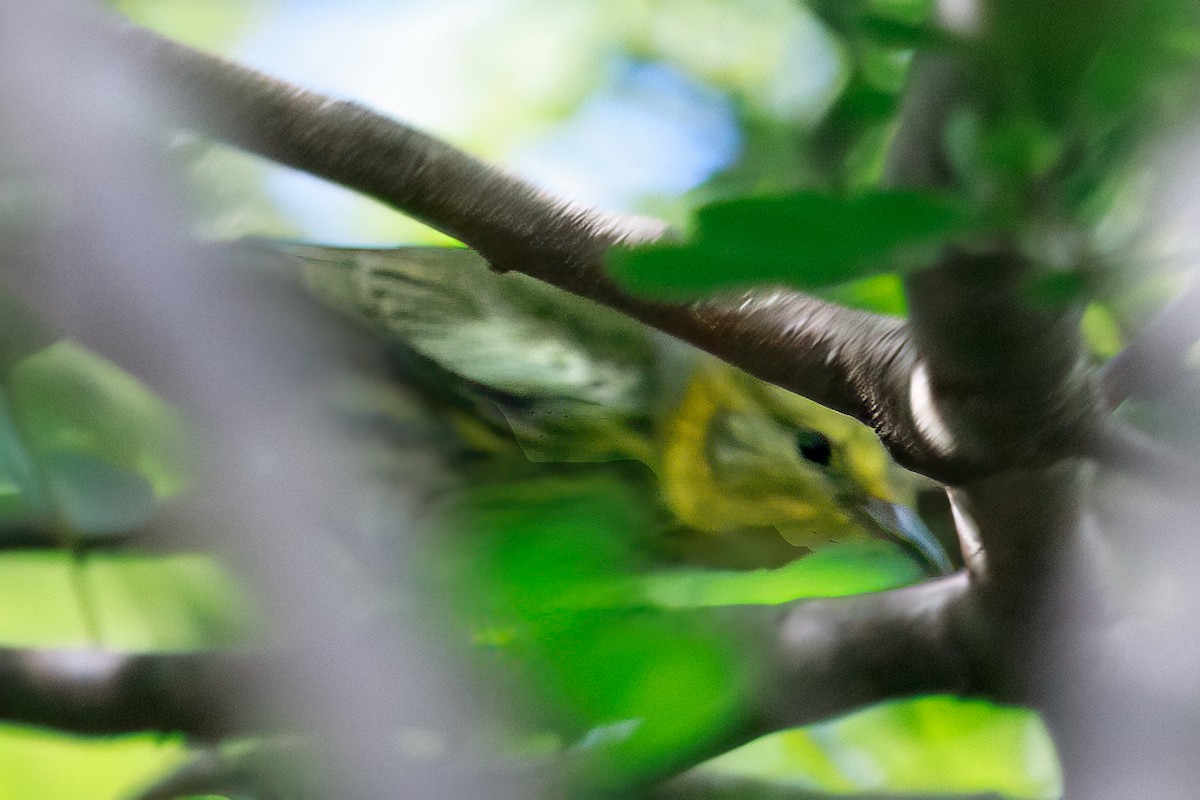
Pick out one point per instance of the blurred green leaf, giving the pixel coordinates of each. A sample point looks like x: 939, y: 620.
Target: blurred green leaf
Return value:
x: 39, y: 764
x: 39, y: 604
x: 1055, y: 289
x: 805, y: 240
x: 912, y: 12
x: 82, y: 444
x: 548, y: 567
x: 667, y: 682
x: 209, y: 24
x: 544, y: 545
x: 930, y: 745
x: 832, y: 571
x: 1101, y: 333
x: 94, y: 497
x: 69, y: 401
x: 1059, y: 57
x: 884, y: 68
x: 849, y: 17
x: 976, y: 746
x: 162, y: 603
x: 863, y: 104
x: 1020, y: 147
x: 633, y: 666
x: 848, y: 146
x: 138, y: 603
x: 897, y: 33
x: 883, y: 294
x: 24, y: 500
x: 1064, y: 99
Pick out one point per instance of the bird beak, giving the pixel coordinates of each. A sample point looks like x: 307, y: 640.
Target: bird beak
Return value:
x: 902, y: 524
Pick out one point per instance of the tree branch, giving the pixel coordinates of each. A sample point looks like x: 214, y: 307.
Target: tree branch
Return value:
x: 831, y: 656
x: 808, y: 660
x: 851, y: 361
x: 101, y: 693
x: 1005, y: 381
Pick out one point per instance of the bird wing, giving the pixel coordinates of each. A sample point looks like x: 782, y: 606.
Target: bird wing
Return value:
x: 573, y: 380
x: 504, y: 331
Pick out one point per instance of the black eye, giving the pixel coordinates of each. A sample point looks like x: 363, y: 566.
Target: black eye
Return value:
x: 814, y: 447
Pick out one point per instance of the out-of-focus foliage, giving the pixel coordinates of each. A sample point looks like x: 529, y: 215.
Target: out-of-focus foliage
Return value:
x: 617, y: 659
x: 91, y: 449
x: 90, y: 455
x: 611, y: 654
x: 565, y: 552
x: 39, y: 764
x: 1048, y: 140
x: 638, y: 684
x: 123, y: 601
x: 203, y: 23
x: 1066, y: 100
x: 977, y: 747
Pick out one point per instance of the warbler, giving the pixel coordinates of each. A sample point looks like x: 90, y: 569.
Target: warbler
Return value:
x: 566, y: 380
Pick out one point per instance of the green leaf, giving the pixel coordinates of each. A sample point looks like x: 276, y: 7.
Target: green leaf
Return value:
x: 832, y: 571
x: 1020, y: 147
x: 932, y: 745
x: 67, y: 400
x: 136, y: 602
x: 543, y: 546
x: 39, y: 606
x: 1055, y: 289
x: 883, y: 294
x: 96, y: 498
x: 912, y: 12
x: 24, y: 499
x: 549, y: 591
x: 166, y: 603
x: 1101, y: 333
x: 977, y: 747
x: 655, y: 683
x: 634, y: 668
x: 806, y: 240
x: 1104, y: 57
x: 897, y: 33
x: 40, y: 763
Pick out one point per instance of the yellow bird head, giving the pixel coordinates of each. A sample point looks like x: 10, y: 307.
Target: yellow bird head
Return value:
x: 739, y: 453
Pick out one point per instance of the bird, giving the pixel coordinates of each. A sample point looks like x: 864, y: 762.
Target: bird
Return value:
x: 530, y: 375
